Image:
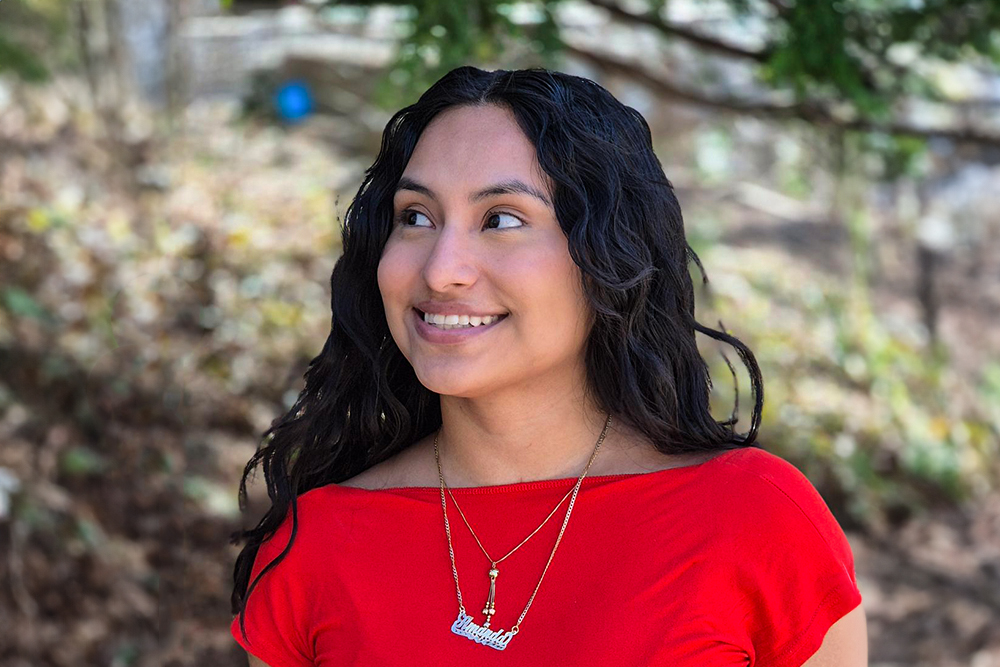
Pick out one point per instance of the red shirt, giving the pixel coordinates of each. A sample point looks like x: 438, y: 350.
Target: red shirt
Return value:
x: 735, y: 561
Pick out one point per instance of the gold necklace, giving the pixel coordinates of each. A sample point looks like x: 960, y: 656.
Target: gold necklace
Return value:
x: 490, y: 608
x: 464, y: 625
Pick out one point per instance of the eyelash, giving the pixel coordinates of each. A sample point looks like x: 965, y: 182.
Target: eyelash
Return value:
x: 402, y: 217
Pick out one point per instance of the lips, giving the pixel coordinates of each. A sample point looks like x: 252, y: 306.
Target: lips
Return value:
x: 493, y: 318
x: 455, y: 308
x: 432, y: 334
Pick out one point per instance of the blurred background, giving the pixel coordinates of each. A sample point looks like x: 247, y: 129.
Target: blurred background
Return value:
x: 173, y: 176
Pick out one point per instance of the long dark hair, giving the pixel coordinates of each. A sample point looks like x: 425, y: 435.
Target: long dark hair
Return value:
x: 362, y: 402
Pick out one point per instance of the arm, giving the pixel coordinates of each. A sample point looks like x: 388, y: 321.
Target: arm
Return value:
x: 257, y: 662
x: 845, y: 643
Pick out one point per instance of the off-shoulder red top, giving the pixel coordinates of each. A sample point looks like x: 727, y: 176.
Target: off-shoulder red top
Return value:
x: 735, y: 561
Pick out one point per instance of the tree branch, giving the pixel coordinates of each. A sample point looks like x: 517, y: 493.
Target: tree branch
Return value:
x: 654, y: 20
x: 812, y: 112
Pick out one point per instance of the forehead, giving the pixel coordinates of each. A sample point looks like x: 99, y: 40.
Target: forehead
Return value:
x: 466, y: 147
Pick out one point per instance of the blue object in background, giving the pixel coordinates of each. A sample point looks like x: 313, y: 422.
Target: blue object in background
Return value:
x: 293, y: 101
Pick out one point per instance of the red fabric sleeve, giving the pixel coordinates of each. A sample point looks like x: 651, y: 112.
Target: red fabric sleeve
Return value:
x: 795, y: 569
x: 278, y: 610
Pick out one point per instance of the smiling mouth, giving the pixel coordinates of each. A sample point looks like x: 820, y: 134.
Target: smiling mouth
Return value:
x: 471, y: 323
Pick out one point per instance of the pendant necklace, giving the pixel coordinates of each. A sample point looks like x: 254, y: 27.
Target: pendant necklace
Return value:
x: 465, y: 625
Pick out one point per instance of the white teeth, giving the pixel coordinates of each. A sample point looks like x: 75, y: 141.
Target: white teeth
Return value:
x: 459, y: 321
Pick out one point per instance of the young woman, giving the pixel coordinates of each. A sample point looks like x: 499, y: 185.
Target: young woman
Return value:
x: 504, y: 454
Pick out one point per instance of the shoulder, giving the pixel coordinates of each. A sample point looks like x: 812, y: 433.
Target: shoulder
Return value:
x: 773, y: 492
x: 379, y: 476
x: 773, y: 521
x: 413, y: 466
x: 757, y: 462
x: 371, y: 478
x: 294, y: 587
x: 765, y: 476
x: 789, y: 567
x: 314, y: 518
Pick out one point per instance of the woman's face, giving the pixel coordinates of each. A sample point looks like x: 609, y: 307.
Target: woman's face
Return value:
x: 475, y: 235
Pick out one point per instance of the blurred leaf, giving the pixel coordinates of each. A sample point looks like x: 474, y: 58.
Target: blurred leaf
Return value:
x: 33, y: 38
x: 91, y: 533
x: 81, y: 461
x: 23, y: 304
x: 38, y: 220
x: 21, y: 61
x: 211, y: 496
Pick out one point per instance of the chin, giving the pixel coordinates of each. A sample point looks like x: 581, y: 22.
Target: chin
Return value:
x: 450, y: 382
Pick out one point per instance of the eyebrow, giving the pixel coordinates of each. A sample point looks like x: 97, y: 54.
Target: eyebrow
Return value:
x: 506, y: 187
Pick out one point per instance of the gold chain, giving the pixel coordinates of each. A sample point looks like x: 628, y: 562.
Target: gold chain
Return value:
x: 451, y: 550
x: 497, y: 562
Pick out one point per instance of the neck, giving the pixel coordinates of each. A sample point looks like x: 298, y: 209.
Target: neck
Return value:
x: 530, y: 436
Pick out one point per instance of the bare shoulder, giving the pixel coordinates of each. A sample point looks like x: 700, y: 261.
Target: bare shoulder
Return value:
x: 404, y: 468
x: 653, y: 461
x: 414, y: 466
x: 635, y: 454
x: 365, y: 479
x: 373, y: 478
x: 845, y: 643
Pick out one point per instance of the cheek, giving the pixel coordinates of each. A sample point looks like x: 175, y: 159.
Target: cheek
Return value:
x: 548, y: 284
x: 392, y: 278
x: 572, y: 301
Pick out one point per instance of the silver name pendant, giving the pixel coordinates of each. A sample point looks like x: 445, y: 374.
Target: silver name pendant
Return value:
x: 466, y: 627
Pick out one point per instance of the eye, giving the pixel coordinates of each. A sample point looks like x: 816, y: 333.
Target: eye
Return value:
x: 497, y: 214
x: 403, y: 218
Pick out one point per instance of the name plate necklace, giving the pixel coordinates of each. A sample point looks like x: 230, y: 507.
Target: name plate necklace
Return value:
x: 464, y: 625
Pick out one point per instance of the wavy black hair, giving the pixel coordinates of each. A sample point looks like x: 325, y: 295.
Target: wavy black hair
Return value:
x: 362, y: 401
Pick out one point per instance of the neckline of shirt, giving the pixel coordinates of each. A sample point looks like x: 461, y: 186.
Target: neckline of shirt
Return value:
x: 551, y: 483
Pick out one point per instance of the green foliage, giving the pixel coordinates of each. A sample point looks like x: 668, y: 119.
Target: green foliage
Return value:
x: 21, y: 304
x: 849, y: 54
x: 813, y: 56
x: 855, y: 401
x: 443, y: 34
x: 899, y: 156
x: 946, y: 29
x: 820, y: 50
x: 842, y: 49
x: 82, y: 461
x: 20, y: 61
x: 33, y: 37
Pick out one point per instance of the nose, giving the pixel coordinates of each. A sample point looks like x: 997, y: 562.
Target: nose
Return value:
x: 452, y: 260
